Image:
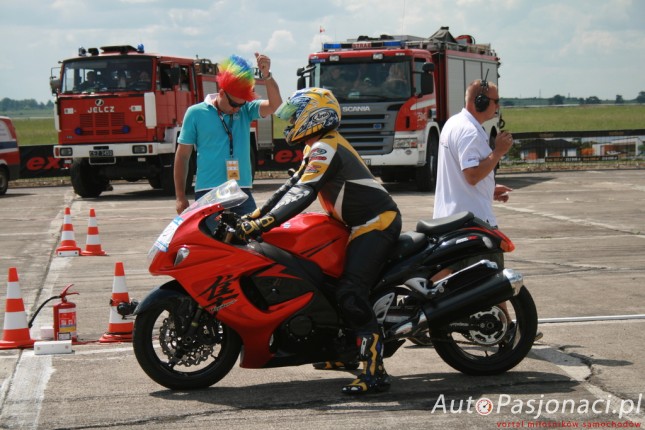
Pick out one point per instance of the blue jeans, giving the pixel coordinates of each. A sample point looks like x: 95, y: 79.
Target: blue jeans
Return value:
x: 245, y: 208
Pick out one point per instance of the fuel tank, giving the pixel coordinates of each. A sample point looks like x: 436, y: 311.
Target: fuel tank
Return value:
x: 313, y: 236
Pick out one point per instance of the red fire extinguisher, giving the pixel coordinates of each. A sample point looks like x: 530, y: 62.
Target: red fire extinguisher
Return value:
x: 65, y: 317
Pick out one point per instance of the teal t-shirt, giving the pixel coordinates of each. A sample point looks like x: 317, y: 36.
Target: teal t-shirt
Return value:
x: 203, y: 128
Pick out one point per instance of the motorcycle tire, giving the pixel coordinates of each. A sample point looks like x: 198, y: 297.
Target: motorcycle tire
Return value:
x: 462, y: 354
x: 156, y: 324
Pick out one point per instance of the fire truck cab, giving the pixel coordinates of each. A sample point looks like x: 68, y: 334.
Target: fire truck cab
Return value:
x: 396, y: 92
x: 119, y: 111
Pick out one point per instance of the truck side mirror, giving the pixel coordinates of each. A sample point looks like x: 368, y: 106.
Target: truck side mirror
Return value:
x: 302, y: 82
x: 304, y: 73
x: 428, y: 68
x: 427, y: 78
x: 54, y: 84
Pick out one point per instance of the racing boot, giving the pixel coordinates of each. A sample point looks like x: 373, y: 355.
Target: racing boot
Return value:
x: 374, y: 378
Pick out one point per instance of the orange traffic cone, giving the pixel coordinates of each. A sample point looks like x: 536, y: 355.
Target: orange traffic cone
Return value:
x: 93, y: 241
x: 119, y: 329
x: 68, y: 246
x: 16, y: 332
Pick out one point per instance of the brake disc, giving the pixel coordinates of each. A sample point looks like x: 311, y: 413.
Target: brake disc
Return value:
x: 193, y: 352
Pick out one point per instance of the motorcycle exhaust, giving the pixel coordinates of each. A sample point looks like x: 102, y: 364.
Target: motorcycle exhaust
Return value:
x: 452, y: 306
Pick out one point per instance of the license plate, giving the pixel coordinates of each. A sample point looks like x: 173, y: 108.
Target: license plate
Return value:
x: 102, y: 153
x: 367, y: 161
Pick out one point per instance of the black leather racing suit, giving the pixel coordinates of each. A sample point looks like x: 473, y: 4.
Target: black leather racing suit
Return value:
x: 332, y: 170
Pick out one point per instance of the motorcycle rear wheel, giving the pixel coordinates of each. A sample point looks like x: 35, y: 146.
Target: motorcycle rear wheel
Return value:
x: 209, y: 363
x: 463, y: 354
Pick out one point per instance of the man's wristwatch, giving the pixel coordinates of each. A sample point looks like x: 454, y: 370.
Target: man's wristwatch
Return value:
x: 267, y: 78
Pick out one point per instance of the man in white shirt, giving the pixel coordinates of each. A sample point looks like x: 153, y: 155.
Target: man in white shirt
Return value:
x: 466, y: 164
x: 466, y: 168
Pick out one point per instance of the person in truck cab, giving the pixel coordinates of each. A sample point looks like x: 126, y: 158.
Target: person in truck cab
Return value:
x: 142, y: 82
x: 396, y: 83
x: 90, y: 82
x: 334, y: 80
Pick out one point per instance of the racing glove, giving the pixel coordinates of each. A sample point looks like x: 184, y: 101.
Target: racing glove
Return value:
x: 253, y: 215
x: 250, y: 229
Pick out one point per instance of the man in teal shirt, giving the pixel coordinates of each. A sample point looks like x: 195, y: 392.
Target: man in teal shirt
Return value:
x: 219, y: 130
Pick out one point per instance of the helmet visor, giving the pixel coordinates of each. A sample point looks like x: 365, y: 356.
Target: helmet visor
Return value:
x: 286, y: 110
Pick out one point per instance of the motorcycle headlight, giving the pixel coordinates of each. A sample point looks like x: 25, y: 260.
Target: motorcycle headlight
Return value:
x: 182, y: 254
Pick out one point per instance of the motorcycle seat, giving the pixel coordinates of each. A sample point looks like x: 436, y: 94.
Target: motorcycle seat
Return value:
x: 443, y: 225
x: 408, y: 243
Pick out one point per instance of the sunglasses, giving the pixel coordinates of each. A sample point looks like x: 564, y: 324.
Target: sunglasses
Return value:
x: 233, y: 103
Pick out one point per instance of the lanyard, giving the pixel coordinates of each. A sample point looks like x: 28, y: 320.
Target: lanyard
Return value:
x: 228, y: 129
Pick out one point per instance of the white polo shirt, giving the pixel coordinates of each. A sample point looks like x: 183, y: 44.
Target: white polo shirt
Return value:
x: 463, y: 143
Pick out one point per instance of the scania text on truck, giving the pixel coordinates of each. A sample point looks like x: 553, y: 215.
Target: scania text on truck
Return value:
x: 396, y: 92
x: 119, y: 111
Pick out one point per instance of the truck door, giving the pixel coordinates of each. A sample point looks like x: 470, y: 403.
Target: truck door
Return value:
x: 166, y: 97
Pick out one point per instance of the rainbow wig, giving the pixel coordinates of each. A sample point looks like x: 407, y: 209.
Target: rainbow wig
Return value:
x: 236, y: 78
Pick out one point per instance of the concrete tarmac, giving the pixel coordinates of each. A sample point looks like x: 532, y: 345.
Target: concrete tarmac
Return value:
x: 580, y: 241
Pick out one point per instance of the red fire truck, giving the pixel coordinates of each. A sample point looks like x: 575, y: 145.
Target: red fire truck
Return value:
x: 119, y: 112
x: 396, y: 92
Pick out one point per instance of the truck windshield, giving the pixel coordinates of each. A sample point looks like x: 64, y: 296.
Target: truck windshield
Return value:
x: 90, y: 75
x: 367, y: 81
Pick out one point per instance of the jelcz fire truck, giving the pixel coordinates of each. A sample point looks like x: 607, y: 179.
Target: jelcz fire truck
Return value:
x: 119, y: 111
x: 396, y: 92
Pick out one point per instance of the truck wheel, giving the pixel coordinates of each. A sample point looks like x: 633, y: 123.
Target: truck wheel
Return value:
x: 427, y: 175
x: 155, y: 182
x: 86, y: 180
x: 167, y: 179
x: 388, y: 175
x: 4, y: 180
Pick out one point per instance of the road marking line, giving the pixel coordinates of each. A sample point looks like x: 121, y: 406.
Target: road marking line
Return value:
x: 23, y: 392
x: 591, y: 318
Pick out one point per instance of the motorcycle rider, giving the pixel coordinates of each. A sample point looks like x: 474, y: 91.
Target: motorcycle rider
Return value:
x: 332, y: 170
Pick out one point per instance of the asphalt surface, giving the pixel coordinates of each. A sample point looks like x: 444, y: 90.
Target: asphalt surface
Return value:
x: 579, y: 239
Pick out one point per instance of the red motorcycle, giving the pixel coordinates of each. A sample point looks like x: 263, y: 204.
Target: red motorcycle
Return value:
x: 274, y: 297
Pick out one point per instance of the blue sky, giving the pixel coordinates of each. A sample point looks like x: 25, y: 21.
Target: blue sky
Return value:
x: 579, y: 48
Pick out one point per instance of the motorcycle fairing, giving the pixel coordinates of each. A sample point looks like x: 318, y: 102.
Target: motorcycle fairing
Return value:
x: 313, y: 236
x: 306, y: 335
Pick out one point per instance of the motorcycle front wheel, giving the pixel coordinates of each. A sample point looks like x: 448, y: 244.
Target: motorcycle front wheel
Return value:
x: 491, y: 352
x: 176, y: 360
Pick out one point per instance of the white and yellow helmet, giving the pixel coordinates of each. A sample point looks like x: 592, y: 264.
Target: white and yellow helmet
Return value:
x: 311, y: 112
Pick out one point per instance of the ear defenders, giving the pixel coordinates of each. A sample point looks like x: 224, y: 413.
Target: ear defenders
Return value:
x: 482, y: 101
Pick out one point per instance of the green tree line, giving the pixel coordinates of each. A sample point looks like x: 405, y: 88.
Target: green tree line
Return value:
x: 559, y: 99
x: 9, y: 105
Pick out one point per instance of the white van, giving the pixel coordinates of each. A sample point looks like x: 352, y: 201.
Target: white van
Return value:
x: 9, y: 154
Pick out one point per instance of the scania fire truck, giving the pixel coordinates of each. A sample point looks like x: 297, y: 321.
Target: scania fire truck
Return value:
x: 396, y: 92
x: 119, y: 112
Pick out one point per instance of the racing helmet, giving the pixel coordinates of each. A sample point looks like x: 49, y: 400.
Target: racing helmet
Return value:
x: 311, y: 112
